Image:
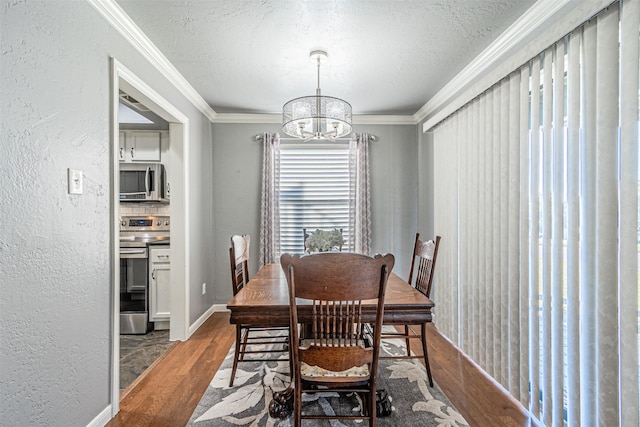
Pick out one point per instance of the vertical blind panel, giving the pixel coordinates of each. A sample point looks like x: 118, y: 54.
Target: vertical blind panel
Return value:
x: 484, y: 296
x: 440, y: 273
x: 445, y: 293
x: 464, y: 331
x: 454, y: 245
x: 588, y: 368
x: 496, y: 227
x: 513, y: 249
x: 607, y: 215
x: 502, y: 246
x: 545, y: 218
x: 450, y: 246
x: 524, y: 236
x: 489, y: 235
x: 573, y: 229
x: 451, y: 222
x: 557, y: 245
x: 459, y: 272
x: 629, y: 236
x: 472, y: 205
x: 472, y: 218
x: 446, y: 309
x: 534, y: 227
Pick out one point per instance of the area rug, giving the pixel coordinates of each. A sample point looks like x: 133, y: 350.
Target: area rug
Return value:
x: 247, y: 402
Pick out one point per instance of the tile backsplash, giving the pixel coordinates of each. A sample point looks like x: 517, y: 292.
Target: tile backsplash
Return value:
x: 158, y: 209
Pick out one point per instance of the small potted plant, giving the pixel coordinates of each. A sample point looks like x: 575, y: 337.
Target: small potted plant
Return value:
x: 325, y: 241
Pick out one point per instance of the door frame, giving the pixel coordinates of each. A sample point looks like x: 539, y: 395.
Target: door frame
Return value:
x: 123, y: 78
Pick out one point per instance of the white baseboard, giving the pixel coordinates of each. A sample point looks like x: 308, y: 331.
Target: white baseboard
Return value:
x: 218, y: 308
x: 194, y: 327
x: 102, y: 418
x: 163, y: 325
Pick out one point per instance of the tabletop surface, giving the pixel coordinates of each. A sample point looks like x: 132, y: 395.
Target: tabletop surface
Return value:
x: 266, y: 298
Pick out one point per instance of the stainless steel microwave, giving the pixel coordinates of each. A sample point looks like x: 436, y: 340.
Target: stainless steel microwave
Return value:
x: 142, y: 182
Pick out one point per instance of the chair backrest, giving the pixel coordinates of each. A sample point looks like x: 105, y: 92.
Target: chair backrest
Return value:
x: 335, y: 285
x: 239, y: 260
x: 427, y: 253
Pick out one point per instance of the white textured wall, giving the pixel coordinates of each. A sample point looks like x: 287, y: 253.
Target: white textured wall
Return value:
x: 237, y: 174
x: 55, y: 280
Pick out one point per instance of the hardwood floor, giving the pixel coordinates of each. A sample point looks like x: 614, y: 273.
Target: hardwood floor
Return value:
x: 171, y: 388
x: 480, y: 400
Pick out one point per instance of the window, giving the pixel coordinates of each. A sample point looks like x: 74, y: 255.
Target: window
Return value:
x: 314, y: 192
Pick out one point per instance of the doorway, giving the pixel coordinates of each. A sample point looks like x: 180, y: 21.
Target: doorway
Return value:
x: 124, y: 81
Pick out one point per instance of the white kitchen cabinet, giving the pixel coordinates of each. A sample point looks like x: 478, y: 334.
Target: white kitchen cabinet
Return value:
x: 159, y: 284
x: 139, y: 146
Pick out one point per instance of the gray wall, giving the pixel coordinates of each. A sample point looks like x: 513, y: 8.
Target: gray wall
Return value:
x: 55, y: 273
x: 237, y: 174
x: 425, y: 185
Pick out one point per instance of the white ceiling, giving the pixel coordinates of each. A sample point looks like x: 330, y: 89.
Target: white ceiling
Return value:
x: 385, y: 56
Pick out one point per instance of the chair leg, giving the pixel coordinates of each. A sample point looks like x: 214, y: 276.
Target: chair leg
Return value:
x: 372, y: 408
x: 426, y: 355
x: 290, y: 348
x: 407, y: 340
x: 297, y: 406
x: 245, y: 341
x: 236, y: 355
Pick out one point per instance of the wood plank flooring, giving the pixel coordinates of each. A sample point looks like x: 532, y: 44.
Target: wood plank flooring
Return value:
x: 169, y: 391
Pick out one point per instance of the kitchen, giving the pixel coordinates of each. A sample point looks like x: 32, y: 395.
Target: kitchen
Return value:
x: 145, y: 221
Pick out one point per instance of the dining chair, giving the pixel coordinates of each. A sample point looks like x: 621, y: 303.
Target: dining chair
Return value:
x: 426, y: 253
x: 256, y: 341
x: 331, y: 351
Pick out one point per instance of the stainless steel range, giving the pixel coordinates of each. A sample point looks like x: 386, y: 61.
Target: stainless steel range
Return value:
x: 137, y: 233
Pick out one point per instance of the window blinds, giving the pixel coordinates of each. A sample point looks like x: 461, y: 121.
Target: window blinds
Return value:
x: 536, y: 197
x: 314, y: 192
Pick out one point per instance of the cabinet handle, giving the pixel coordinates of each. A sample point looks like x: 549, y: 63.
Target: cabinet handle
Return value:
x: 168, y: 189
x: 153, y: 274
x: 132, y: 152
x: 163, y: 256
x: 122, y: 152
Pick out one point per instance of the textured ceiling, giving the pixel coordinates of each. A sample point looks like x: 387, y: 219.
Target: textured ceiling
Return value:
x: 385, y: 56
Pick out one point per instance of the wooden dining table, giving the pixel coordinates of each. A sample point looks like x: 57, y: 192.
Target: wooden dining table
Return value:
x: 264, y: 301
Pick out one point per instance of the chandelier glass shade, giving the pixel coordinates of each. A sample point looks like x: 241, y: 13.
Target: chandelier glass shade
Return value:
x: 317, y: 117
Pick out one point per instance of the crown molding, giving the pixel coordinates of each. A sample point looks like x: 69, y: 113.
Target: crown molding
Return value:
x: 119, y: 20
x: 358, y: 119
x: 534, y: 18
x: 521, y: 41
x: 374, y: 119
x: 247, y: 118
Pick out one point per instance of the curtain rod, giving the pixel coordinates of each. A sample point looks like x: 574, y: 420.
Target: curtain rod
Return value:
x: 371, y: 138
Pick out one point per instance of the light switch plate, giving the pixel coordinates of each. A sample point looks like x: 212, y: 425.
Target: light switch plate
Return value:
x: 74, y: 178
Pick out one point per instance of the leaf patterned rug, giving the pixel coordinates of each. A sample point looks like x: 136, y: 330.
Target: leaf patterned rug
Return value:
x: 247, y: 402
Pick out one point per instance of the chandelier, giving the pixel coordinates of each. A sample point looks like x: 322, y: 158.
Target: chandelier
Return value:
x: 317, y: 117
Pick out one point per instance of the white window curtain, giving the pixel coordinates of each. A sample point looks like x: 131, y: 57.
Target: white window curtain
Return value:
x: 270, y: 206
x: 360, y: 212
x: 536, y: 196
